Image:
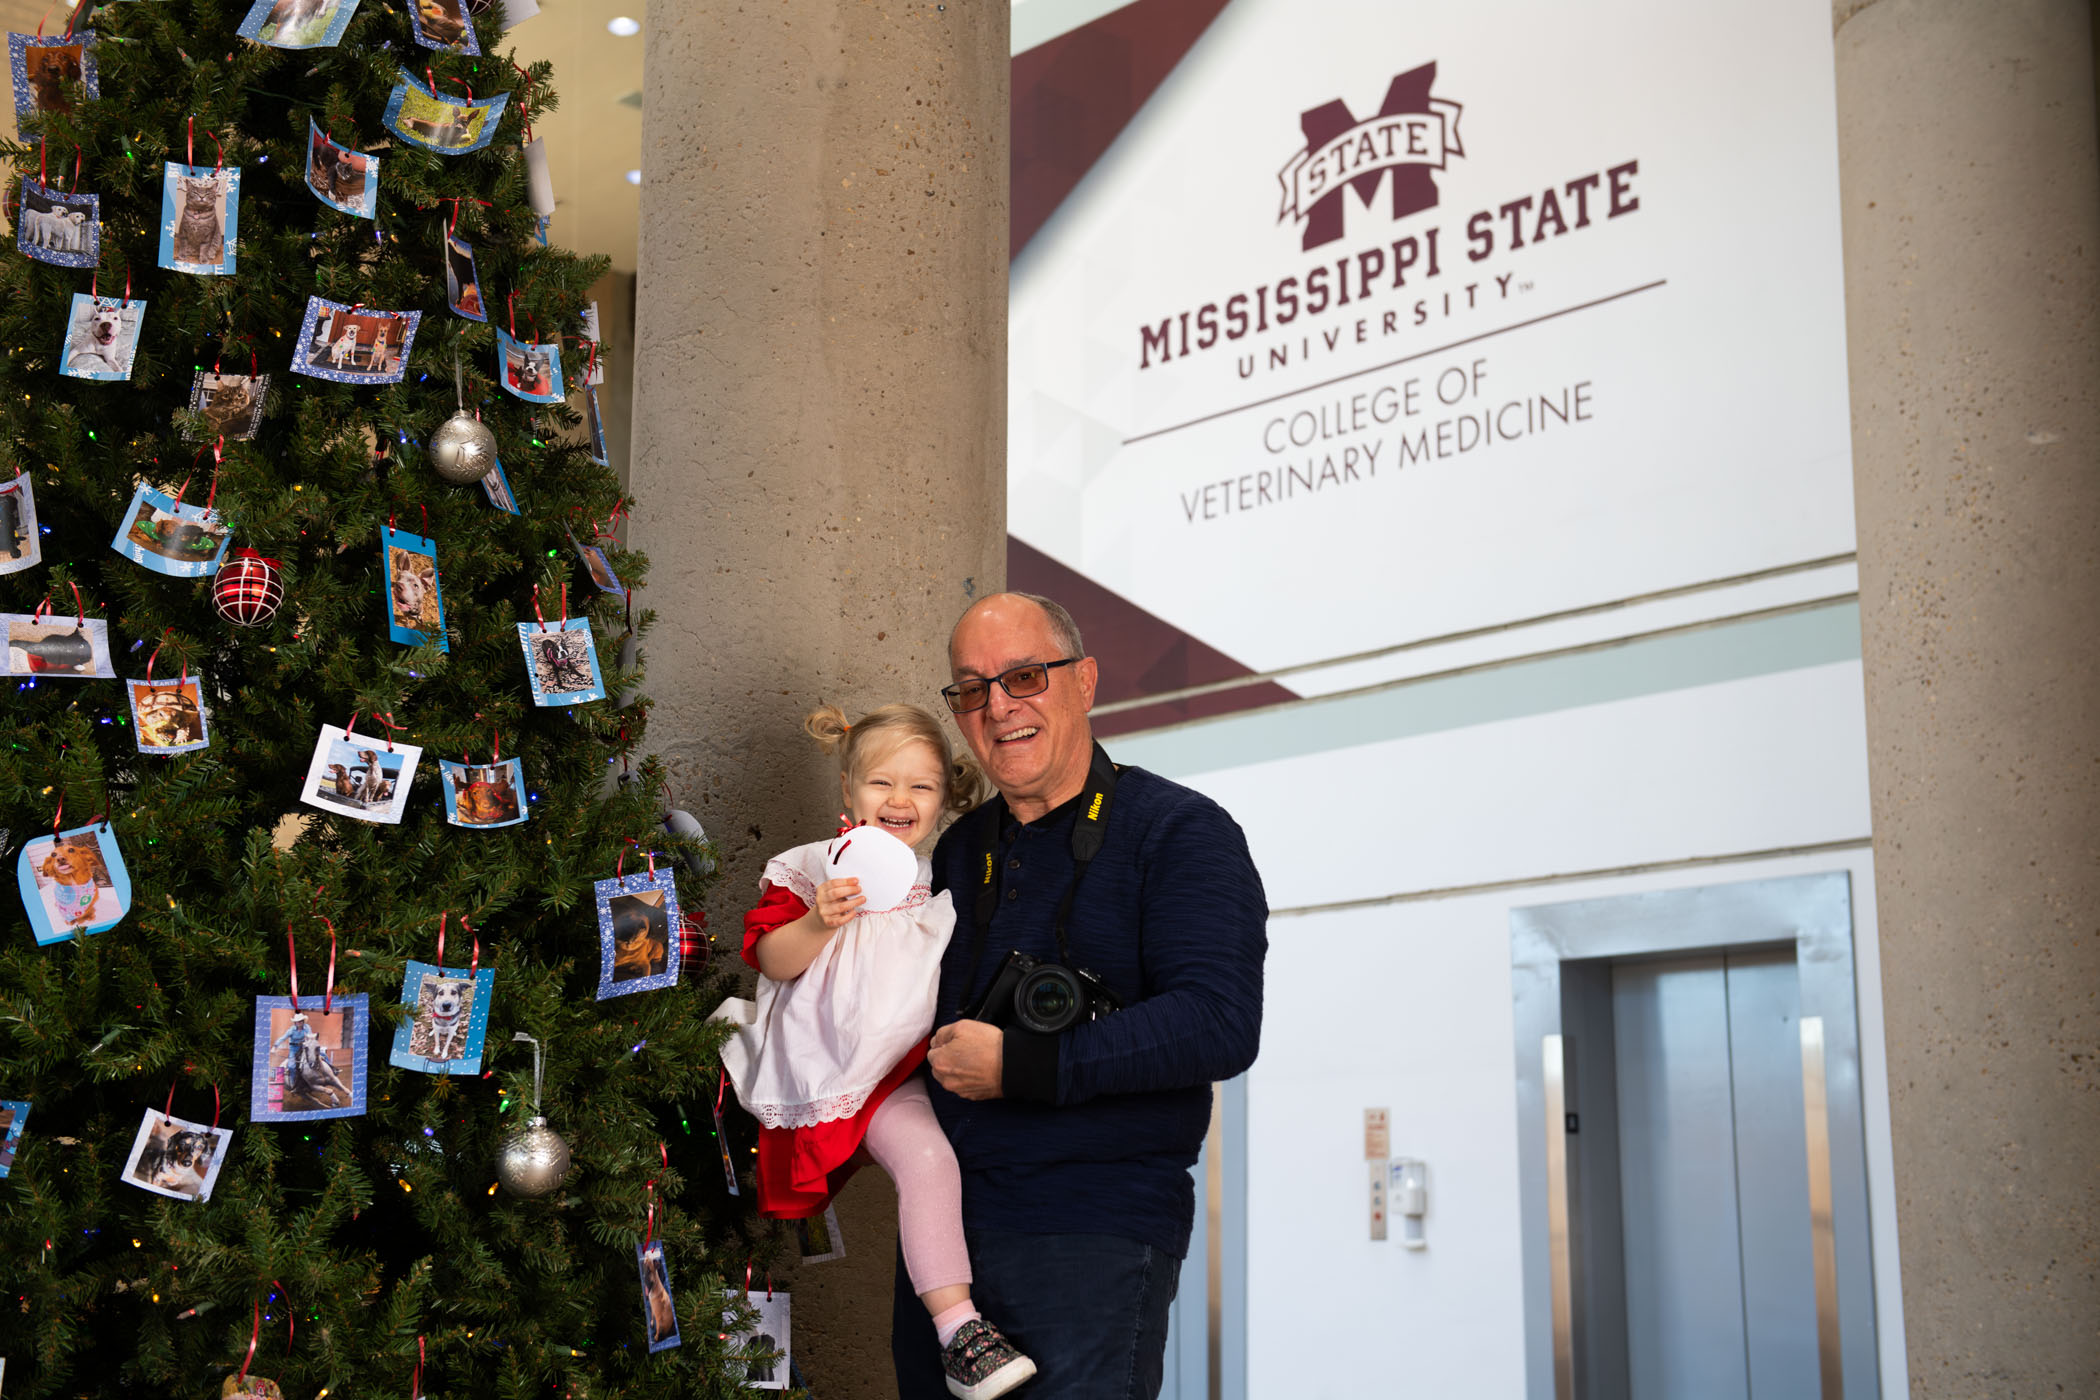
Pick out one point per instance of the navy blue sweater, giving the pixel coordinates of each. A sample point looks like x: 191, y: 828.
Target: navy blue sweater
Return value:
x: 1098, y: 1130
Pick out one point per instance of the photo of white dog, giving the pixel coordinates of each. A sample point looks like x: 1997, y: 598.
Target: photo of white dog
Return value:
x: 101, y: 336
x: 448, y: 1019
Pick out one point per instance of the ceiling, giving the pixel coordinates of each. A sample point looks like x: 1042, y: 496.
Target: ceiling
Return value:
x: 592, y: 142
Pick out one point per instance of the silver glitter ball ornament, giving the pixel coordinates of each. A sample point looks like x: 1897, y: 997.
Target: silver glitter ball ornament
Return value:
x: 533, y: 1160
x: 463, y: 449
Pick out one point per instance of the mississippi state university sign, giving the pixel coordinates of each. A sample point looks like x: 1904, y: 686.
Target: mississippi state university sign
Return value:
x: 1411, y: 135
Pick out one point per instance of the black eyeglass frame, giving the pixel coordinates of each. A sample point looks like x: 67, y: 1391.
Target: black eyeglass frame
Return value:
x: 953, y: 693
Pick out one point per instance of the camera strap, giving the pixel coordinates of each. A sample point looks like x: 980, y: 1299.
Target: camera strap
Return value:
x: 1089, y: 831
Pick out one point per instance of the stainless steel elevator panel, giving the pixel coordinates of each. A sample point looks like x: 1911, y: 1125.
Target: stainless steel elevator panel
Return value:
x: 1690, y: 1146
x: 1677, y: 1181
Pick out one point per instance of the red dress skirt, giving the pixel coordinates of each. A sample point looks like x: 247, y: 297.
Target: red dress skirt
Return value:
x: 801, y: 1169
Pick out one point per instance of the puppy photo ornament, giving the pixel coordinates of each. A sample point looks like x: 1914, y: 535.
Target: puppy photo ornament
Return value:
x: 175, y: 1157
x: 59, y: 228
x: 637, y: 933
x: 73, y: 882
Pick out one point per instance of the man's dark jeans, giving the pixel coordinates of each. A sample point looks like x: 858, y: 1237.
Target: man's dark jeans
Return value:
x: 1091, y: 1310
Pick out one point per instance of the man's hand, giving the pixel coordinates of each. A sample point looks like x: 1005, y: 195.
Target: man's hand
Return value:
x: 968, y: 1058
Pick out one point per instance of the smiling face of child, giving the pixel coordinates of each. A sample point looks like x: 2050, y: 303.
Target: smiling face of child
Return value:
x: 900, y: 791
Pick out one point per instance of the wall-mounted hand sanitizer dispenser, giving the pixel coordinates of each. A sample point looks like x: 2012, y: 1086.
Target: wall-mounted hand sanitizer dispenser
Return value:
x: 1410, y: 1199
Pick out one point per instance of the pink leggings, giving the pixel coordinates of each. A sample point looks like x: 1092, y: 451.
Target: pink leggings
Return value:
x: 906, y: 1140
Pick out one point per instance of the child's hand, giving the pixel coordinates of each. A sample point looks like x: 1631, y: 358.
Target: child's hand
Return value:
x: 838, y: 901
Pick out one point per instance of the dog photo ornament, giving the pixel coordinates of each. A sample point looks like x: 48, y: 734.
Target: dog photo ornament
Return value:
x: 450, y: 1020
x: 354, y: 344
x: 168, y: 716
x: 415, y: 603
x: 60, y: 228
x: 484, y: 795
x: 440, y: 123
x: 175, y: 1157
x: 171, y: 537
x: 21, y: 542
x: 41, y: 68
x: 73, y: 882
x: 360, y: 777
x: 561, y: 662
x: 659, y: 1311
x: 309, y: 1058
x: 637, y: 933
x: 14, y: 1116
x: 101, y: 335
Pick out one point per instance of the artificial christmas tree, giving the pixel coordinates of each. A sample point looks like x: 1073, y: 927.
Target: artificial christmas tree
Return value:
x: 220, y: 1170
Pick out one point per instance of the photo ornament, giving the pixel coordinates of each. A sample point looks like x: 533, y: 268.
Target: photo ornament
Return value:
x: 762, y: 1346
x: 57, y: 227
x: 168, y: 716
x: 232, y: 405
x: 561, y: 662
x: 344, y: 180
x: 484, y: 795
x: 360, y: 777
x: 439, y: 122
x: 102, y: 334
x: 200, y: 213
x: 354, y: 344
x: 43, y: 68
x: 171, y: 537
x: 41, y: 646
x: 298, y: 24
x: 415, y: 607
x: 14, y: 1116
x: 659, y: 1312
x: 450, y: 1022
x: 175, y: 1157
x: 21, y: 542
x: 309, y: 1058
x: 637, y: 932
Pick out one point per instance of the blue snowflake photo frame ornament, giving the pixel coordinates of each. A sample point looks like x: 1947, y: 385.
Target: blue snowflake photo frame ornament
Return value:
x: 172, y: 537
x: 598, y: 567
x: 298, y: 24
x: 450, y: 1025
x: 354, y: 344
x: 346, y: 181
x: 528, y: 370
x: 444, y: 125
x: 101, y: 336
x: 310, y: 1060
x: 200, y: 215
x: 43, y: 67
x: 415, y: 613
x: 561, y: 662
x: 73, y: 882
x: 594, y: 424
x: 637, y: 932
x: 484, y: 795
x: 443, y: 25
x: 59, y: 228
x: 14, y: 1117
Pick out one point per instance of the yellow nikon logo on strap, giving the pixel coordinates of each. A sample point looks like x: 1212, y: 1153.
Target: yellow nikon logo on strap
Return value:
x: 1093, y: 812
x: 988, y: 867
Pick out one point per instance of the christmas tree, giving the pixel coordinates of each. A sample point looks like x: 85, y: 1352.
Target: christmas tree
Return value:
x: 322, y: 1212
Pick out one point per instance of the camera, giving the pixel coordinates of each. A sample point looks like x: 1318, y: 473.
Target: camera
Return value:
x: 1044, y: 997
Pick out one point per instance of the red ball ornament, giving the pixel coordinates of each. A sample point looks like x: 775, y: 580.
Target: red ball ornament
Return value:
x: 249, y: 589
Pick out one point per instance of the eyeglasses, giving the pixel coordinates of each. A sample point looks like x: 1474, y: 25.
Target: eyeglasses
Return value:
x: 1020, y: 682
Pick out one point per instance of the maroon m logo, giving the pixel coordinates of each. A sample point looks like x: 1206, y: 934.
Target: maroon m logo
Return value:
x: 1410, y: 139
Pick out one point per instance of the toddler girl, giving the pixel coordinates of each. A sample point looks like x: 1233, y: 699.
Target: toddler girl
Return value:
x: 824, y: 1059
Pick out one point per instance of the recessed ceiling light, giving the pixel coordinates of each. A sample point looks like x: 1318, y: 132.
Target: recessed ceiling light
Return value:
x: 624, y: 27
x: 634, y: 177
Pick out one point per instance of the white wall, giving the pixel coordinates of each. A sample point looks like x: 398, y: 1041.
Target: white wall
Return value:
x: 1407, y: 1005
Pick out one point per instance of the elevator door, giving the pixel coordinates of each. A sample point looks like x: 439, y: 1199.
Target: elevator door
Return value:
x: 1720, y: 1289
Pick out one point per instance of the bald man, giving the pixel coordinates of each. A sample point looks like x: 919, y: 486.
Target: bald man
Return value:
x: 1076, y: 1143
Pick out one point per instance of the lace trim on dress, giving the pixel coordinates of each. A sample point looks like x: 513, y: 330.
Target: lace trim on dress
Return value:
x: 806, y: 1115
x: 787, y: 877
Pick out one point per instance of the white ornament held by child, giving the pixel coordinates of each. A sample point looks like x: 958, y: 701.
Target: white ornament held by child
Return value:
x: 886, y: 867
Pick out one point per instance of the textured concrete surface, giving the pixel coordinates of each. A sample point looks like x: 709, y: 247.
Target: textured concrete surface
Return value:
x: 1972, y: 225
x: 819, y: 435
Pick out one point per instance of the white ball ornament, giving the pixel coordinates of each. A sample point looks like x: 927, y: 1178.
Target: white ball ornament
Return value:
x: 463, y: 449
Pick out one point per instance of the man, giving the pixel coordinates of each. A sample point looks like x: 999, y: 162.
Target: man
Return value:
x: 1075, y: 1147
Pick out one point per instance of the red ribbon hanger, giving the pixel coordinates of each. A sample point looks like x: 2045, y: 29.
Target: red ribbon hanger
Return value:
x: 190, y: 151
x: 291, y: 942
x: 473, y: 967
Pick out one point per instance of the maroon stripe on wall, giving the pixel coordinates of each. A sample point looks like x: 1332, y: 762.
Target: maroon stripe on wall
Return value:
x: 1139, y: 654
x: 1075, y: 94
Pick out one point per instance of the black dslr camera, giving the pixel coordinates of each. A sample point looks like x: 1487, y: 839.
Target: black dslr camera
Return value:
x: 1044, y: 997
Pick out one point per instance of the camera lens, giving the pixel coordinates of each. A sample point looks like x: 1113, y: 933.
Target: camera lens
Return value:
x: 1048, y: 999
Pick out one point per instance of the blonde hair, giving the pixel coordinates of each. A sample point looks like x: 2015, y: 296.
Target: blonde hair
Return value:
x: 880, y: 730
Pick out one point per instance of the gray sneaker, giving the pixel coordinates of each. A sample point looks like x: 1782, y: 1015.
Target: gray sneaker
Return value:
x: 981, y: 1363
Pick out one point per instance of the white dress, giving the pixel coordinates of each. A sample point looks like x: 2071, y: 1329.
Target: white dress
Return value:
x: 811, y: 1050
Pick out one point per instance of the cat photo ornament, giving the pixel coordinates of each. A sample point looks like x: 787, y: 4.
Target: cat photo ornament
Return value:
x: 200, y: 211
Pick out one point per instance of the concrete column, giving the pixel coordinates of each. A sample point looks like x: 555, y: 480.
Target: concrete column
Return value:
x: 819, y: 435
x: 1972, y: 228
